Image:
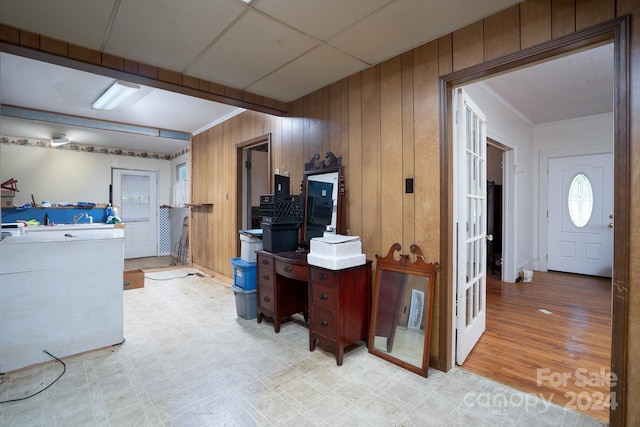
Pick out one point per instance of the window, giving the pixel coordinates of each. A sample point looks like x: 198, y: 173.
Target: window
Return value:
x: 580, y: 200
x: 136, y: 198
x: 181, y: 172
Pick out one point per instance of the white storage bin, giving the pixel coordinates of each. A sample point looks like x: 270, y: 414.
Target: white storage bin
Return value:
x: 251, y: 241
x: 335, y: 263
x: 336, y: 246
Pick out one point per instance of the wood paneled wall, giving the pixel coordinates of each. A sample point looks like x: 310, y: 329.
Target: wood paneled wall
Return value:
x: 385, y: 123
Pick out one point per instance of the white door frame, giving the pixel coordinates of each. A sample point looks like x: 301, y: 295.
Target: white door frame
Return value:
x: 508, y: 267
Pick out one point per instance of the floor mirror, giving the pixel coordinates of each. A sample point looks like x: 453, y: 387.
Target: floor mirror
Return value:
x: 400, y: 328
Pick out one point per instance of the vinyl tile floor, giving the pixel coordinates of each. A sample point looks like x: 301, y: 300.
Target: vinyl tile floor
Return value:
x: 189, y: 360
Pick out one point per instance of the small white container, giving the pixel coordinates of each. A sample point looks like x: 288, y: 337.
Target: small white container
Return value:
x: 251, y: 241
x: 336, y: 263
x: 336, y: 246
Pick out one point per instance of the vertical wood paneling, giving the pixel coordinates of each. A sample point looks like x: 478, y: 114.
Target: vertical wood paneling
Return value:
x: 326, y: 119
x: 314, y: 115
x: 295, y: 162
x: 371, y: 179
x: 427, y: 158
x: 354, y: 185
x: 468, y: 46
x: 408, y: 149
x: 427, y: 148
x: 535, y: 19
x: 335, y: 118
x: 502, y: 33
x: 392, y: 188
x: 563, y: 18
x: 445, y: 54
x: 592, y: 12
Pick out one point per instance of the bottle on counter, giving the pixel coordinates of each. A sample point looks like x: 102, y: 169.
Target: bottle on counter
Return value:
x: 46, y: 219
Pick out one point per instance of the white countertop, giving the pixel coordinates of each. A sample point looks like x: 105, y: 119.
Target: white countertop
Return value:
x: 65, y: 233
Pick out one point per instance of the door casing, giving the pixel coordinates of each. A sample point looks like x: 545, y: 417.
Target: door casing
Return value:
x: 616, y: 30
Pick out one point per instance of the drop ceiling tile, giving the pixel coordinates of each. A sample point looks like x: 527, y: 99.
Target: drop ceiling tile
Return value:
x: 81, y: 22
x: 166, y: 33
x: 379, y: 37
x: 320, y: 67
x: 254, y: 47
x: 320, y: 19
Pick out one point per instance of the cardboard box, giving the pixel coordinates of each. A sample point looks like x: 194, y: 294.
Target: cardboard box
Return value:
x: 336, y: 246
x: 7, y: 201
x: 133, y: 279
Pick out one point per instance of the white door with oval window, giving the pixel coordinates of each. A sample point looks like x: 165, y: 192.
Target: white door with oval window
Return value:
x: 580, y: 219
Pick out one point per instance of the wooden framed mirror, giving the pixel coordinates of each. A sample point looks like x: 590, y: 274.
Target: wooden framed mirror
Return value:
x: 323, y: 197
x: 403, y: 292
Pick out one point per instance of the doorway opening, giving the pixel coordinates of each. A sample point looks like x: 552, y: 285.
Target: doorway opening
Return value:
x: 254, y: 179
x: 617, y: 317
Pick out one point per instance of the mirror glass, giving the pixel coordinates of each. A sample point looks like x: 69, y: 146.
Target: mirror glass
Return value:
x: 322, y: 204
x: 402, y: 306
x: 323, y: 194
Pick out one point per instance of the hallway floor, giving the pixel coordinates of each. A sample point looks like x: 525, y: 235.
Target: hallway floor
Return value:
x: 188, y: 360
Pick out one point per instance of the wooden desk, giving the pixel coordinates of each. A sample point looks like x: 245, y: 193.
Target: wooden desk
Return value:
x: 282, y: 285
x: 336, y: 303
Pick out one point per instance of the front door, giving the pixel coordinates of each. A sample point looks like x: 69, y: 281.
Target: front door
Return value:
x: 470, y: 209
x: 581, y: 214
x: 135, y: 195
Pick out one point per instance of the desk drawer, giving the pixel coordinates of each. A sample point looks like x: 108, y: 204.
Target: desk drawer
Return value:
x: 324, y: 276
x: 323, y: 322
x: 324, y: 295
x: 267, y: 298
x: 298, y: 272
x: 265, y: 276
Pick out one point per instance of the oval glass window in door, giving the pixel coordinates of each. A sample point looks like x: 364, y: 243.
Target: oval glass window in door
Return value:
x: 580, y: 200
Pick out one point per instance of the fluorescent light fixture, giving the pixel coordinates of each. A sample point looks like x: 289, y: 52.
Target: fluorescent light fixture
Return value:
x: 115, y: 95
x: 56, y: 141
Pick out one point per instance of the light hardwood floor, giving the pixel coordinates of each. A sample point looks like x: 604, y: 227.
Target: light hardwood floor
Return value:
x: 550, y: 338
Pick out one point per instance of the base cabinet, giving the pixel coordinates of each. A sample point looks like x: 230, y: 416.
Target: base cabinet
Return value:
x: 339, y: 307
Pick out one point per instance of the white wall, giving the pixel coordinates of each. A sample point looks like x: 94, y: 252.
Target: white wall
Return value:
x: 72, y: 176
x: 516, y: 134
x: 586, y: 135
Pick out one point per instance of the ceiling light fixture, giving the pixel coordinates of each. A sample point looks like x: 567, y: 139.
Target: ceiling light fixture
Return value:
x: 115, y: 95
x: 56, y: 141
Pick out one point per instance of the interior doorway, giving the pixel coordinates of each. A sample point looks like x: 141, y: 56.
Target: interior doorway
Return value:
x: 254, y: 178
x: 495, y: 208
x: 515, y: 170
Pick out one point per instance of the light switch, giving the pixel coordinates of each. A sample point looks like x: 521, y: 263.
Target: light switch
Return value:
x: 408, y: 186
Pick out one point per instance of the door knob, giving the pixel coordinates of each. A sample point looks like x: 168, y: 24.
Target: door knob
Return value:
x: 489, y: 237
x: 610, y: 225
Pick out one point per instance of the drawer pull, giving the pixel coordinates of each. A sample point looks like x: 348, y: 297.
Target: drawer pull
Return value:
x: 265, y: 277
x: 324, y: 297
x: 265, y: 262
x: 323, y: 322
x: 323, y: 276
x: 288, y: 269
x: 266, y: 299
